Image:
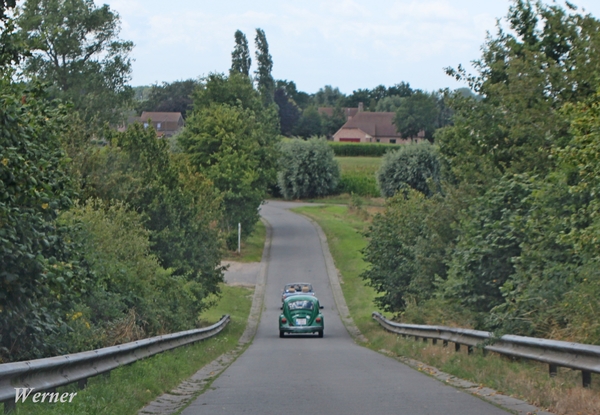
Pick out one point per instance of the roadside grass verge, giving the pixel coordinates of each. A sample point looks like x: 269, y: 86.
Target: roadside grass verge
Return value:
x: 252, y: 249
x: 131, y: 387
x: 524, y: 379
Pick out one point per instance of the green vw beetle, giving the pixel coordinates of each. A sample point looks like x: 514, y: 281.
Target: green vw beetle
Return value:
x: 301, y: 315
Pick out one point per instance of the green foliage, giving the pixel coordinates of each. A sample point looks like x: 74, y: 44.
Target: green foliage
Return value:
x: 132, y: 296
x: 230, y: 138
x: 289, y: 113
x: 330, y: 125
x: 407, y: 249
x: 309, y: 124
x: 264, y: 79
x: 180, y: 206
x: 416, y: 113
x: 39, y: 275
x: 361, y: 149
x: 11, y: 46
x: 240, y: 57
x: 415, y: 166
x: 522, y: 254
x: 490, y: 239
x: 76, y: 50
x: 359, y: 184
x: 170, y: 97
x: 307, y: 169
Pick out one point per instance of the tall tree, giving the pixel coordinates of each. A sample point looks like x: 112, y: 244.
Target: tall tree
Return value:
x: 230, y: 138
x: 75, y: 47
x: 417, y: 113
x: 264, y: 79
x: 289, y: 113
x: 240, y: 57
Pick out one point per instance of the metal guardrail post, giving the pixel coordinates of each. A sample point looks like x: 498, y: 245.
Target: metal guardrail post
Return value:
x: 586, y: 377
x: 552, y: 370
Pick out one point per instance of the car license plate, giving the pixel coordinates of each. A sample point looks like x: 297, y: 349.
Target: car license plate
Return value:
x: 301, y: 322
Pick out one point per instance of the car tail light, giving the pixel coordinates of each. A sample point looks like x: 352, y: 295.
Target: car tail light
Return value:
x: 283, y: 320
x: 318, y: 319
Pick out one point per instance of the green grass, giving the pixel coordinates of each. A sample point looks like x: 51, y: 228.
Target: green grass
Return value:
x: 252, y: 249
x: 527, y: 380
x: 129, y: 388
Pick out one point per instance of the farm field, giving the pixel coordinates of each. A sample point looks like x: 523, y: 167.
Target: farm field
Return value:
x: 358, y: 175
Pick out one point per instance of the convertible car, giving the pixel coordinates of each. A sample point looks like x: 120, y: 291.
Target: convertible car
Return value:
x: 297, y: 288
x: 301, y: 314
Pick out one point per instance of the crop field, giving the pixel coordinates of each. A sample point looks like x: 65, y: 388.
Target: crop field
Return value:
x: 358, y: 175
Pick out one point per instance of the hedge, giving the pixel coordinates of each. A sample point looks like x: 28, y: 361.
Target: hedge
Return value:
x: 361, y: 149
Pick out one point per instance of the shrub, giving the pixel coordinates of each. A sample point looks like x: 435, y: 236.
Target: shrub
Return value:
x: 307, y: 169
x: 411, y: 166
x: 361, y: 149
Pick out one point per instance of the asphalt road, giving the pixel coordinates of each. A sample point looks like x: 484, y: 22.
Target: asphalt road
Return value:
x: 332, y: 375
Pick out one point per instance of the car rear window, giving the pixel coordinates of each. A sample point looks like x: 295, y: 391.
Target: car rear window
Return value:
x: 301, y: 305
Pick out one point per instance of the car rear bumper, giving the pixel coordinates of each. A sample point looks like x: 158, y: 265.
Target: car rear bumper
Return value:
x: 300, y: 329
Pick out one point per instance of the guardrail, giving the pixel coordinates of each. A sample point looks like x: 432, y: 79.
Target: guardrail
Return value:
x: 584, y: 357
x: 49, y: 373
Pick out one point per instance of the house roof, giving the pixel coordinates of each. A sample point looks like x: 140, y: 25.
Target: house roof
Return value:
x: 161, y: 116
x: 376, y: 124
x: 348, y: 112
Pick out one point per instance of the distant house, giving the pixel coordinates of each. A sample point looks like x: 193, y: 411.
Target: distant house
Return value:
x: 165, y: 123
x: 371, y: 127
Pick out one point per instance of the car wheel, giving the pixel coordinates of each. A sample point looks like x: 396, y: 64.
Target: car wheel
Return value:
x: 281, y: 334
x: 321, y: 334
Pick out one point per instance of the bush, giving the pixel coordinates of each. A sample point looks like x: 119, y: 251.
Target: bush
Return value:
x: 307, y: 169
x: 361, y: 149
x: 130, y: 296
x: 411, y: 166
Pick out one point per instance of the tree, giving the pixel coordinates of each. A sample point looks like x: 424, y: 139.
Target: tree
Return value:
x: 230, y: 138
x: 11, y: 48
x: 75, y: 47
x: 170, y: 97
x: 240, y: 57
x: 416, y: 113
x: 307, y: 169
x: 330, y: 125
x: 264, y: 79
x: 301, y: 99
x: 328, y: 96
x: 310, y: 123
x: 289, y: 113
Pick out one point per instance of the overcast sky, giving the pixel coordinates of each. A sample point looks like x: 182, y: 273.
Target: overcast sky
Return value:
x: 348, y: 44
